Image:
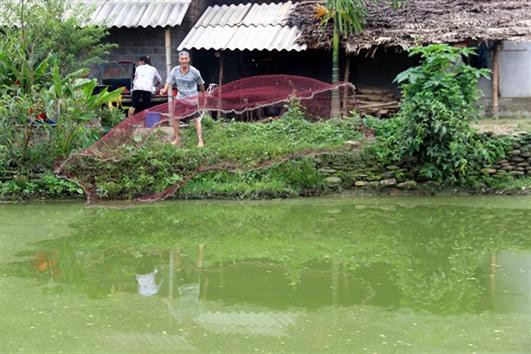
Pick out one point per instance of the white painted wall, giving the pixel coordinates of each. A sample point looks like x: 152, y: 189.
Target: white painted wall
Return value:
x: 515, y: 69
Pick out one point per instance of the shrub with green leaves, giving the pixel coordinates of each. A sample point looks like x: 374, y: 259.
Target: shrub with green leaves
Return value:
x: 439, y: 97
x: 36, y: 29
x: 66, y: 106
x: 46, y: 102
x: 46, y: 186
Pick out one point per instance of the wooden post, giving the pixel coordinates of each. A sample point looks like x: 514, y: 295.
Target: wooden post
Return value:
x: 167, y: 45
x: 220, y: 83
x: 495, y: 79
x: 346, y: 79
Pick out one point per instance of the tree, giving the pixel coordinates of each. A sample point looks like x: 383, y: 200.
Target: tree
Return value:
x: 54, y: 27
x: 348, y: 18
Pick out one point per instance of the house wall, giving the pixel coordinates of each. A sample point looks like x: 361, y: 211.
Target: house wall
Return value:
x: 515, y: 79
x: 135, y: 42
x: 515, y: 69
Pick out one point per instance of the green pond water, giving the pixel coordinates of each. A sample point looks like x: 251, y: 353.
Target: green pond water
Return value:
x: 341, y: 275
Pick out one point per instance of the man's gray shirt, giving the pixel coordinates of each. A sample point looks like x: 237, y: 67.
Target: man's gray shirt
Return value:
x: 186, y: 83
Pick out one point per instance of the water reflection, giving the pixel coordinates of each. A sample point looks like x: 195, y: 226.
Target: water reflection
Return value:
x: 282, y: 278
x: 510, y: 281
x: 147, y: 283
x: 184, y: 281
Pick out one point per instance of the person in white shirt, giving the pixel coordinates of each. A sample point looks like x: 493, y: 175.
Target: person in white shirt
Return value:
x: 146, y: 77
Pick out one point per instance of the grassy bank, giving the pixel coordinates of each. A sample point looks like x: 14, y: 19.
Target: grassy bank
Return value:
x: 268, y: 156
x: 289, y: 157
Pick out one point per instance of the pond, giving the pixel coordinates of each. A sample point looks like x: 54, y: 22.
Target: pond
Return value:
x: 330, y: 275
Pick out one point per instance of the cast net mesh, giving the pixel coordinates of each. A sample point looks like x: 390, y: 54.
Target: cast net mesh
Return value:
x: 250, y: 94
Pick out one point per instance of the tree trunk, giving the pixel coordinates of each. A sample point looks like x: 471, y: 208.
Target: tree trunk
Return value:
x: 336, y: 103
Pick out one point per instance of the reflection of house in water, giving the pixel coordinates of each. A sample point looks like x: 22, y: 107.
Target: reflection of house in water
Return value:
x: 220, y: 318
x: 511, y: 281
x: 251, y: 298
x: 274, y: 324
x: 270, y: 285
x: 186, y: 306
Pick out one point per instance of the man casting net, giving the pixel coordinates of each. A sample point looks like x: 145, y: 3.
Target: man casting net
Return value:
x: 116, y: 152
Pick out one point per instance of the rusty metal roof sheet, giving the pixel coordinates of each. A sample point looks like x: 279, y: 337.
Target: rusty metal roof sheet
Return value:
x: 137, y: 13
x: 244, y: 27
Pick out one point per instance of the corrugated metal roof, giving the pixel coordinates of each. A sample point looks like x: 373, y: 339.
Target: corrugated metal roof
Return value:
x: 244, y: 27
x: 138, y: 13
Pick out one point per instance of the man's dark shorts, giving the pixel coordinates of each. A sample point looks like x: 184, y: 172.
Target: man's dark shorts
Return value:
x: 140, y: 100
x: 194, y: 115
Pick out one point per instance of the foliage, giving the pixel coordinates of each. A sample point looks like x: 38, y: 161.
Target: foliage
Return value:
x: 36, y: 29
x: 46, y: 102
x: 46, y: 186
x: 46, y: 107
x: 347, y: 14
x: 439, y: 97
x: 110, y: 117
x: 43, y: 123
x: 73, y: 105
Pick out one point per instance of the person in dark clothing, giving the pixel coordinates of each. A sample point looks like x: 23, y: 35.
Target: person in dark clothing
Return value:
x: 146, y: 79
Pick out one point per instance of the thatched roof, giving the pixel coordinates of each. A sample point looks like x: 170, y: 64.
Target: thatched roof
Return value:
x: 424, y: 21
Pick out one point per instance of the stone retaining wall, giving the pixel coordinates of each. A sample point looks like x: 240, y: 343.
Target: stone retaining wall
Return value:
x: 349, y: 170
x: 516, y: 163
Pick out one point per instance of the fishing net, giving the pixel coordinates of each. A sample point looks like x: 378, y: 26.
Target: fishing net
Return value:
x: 266, y: 94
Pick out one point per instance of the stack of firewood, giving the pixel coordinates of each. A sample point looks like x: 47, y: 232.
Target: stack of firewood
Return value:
x: 376, y: 101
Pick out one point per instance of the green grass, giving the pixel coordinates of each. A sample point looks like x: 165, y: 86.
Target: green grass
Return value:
x: 287, y: 179
x: 268, y: 159
x: 509, y: 184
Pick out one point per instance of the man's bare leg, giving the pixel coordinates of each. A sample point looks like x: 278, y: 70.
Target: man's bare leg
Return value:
x: 198, y: 131
x: 176, y: 131
x: 131, y: 112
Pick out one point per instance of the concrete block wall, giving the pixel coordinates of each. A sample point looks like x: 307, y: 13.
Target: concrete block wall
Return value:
x: 515, y: 69
x: 135, y: 42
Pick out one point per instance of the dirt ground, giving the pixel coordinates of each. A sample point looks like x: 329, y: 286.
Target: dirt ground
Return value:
x: 504, y: 126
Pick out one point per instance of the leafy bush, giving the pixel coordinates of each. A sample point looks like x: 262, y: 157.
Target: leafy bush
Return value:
x: 47, y: 185
x: 45, y: 123
x: 45, y: 106
x: 110, y: 117
x: 439, y: 97
x: 40, y: 28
